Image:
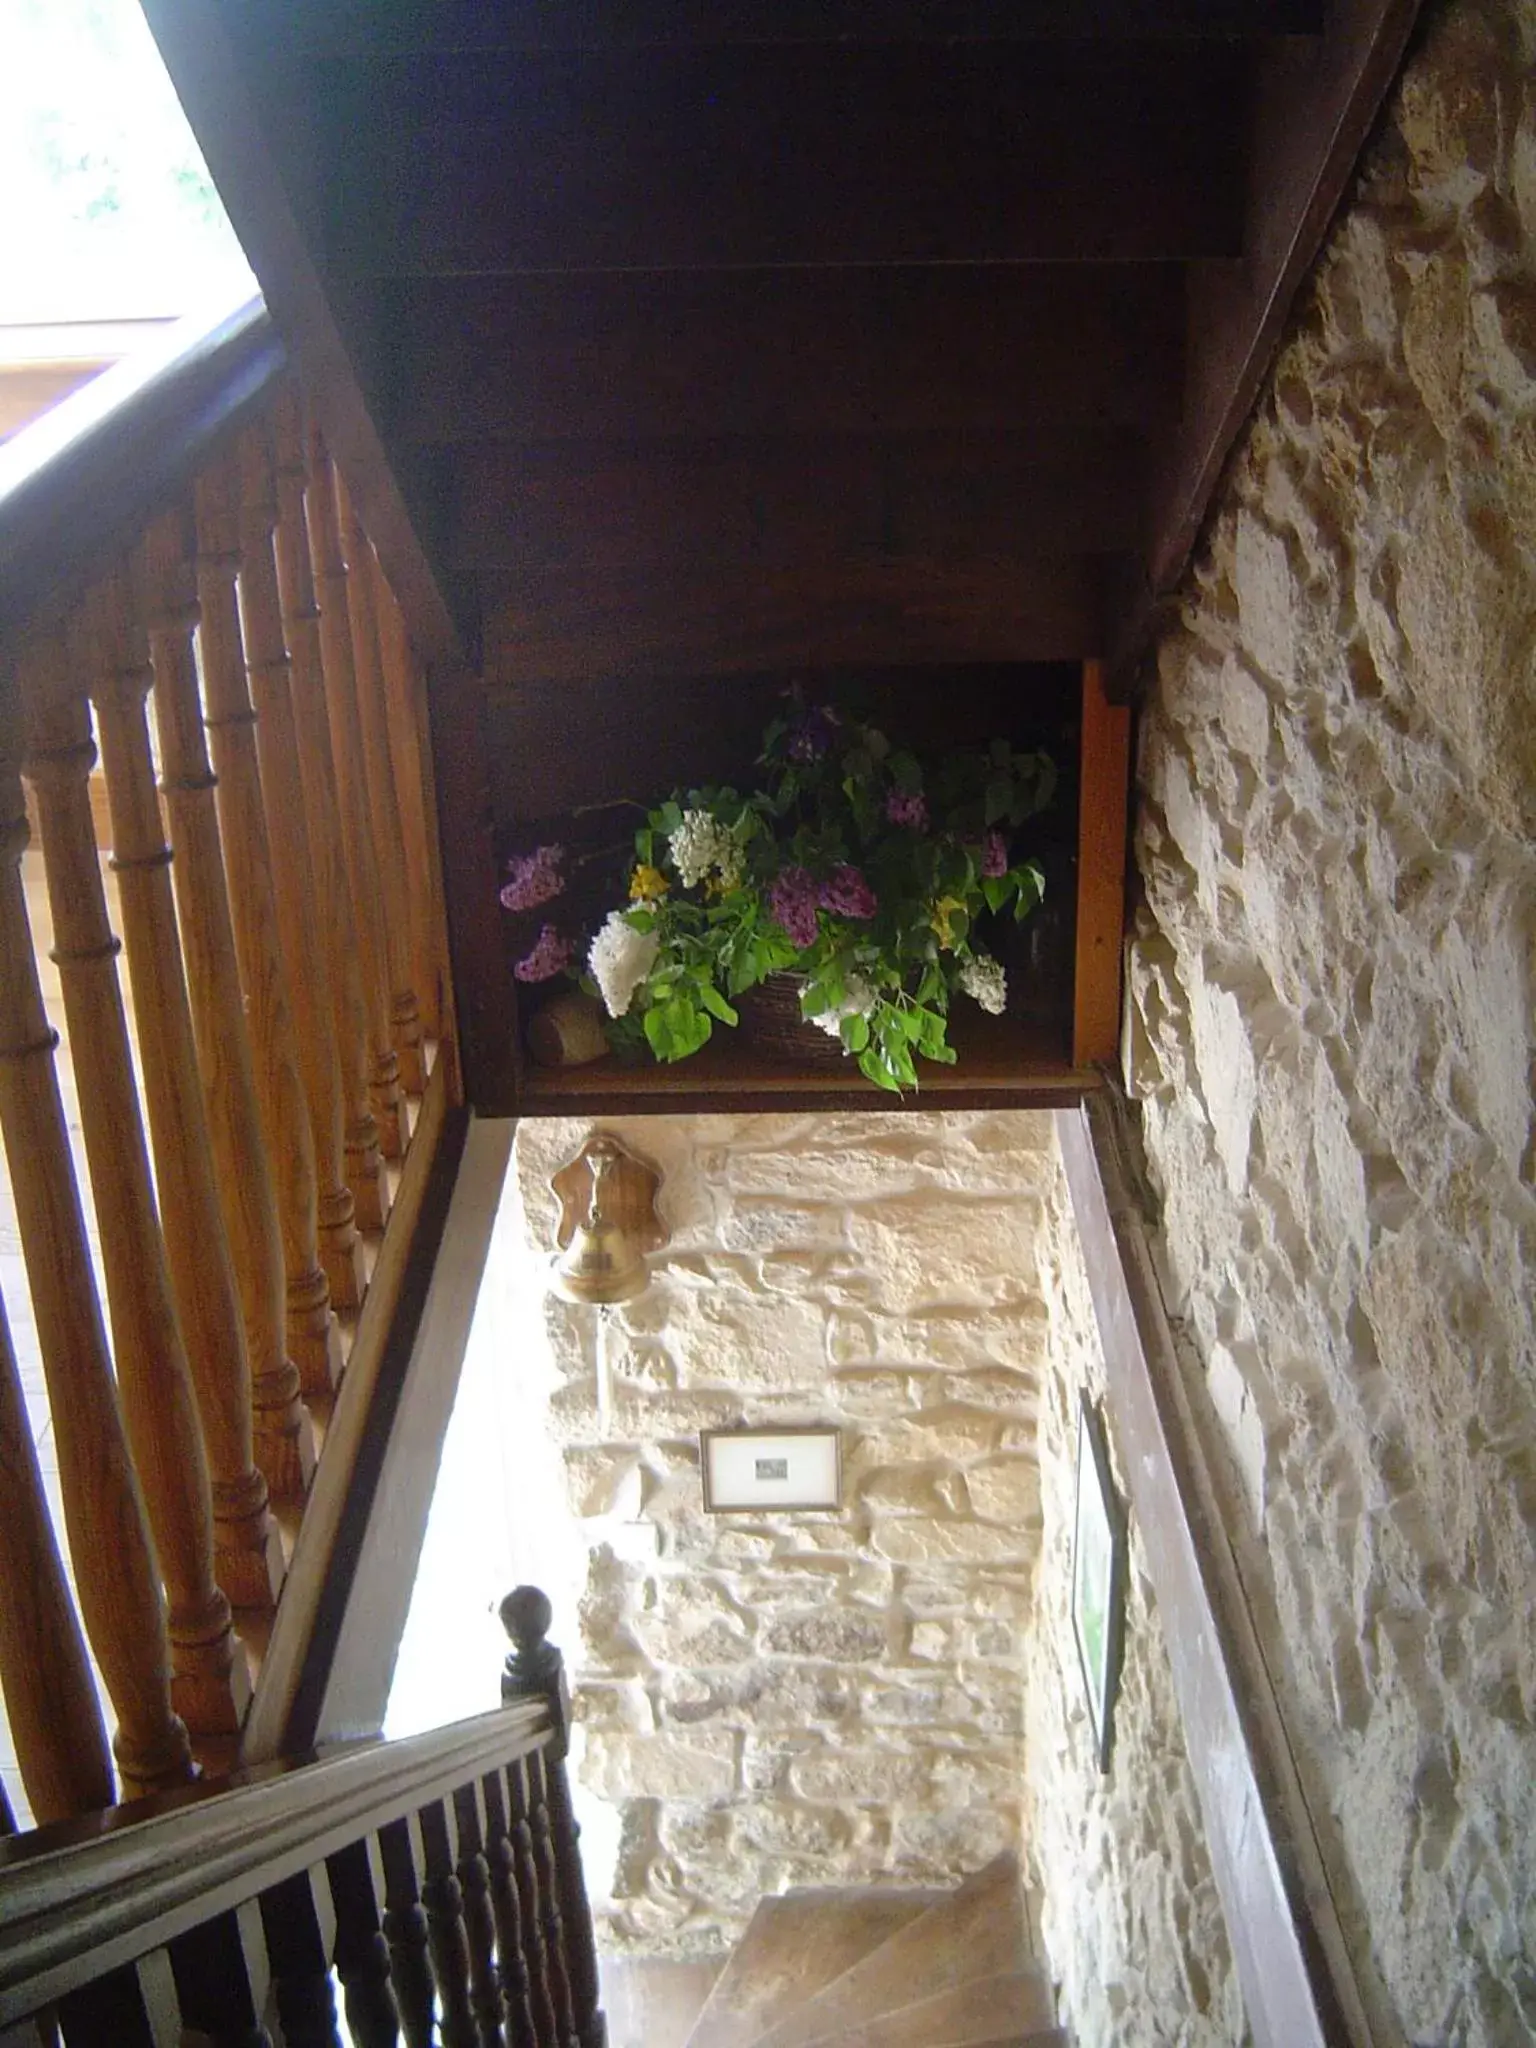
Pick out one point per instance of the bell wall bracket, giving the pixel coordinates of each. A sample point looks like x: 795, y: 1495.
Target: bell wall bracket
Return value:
x: 630, y: 1186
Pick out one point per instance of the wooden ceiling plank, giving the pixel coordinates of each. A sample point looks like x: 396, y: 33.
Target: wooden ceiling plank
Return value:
x: 665, y: 160
x: 350, y: 27
x: 227, y: 118
x: 576, y: 628
x: 804, y: 352
x: 623, y: 506
x: 1314, y: 111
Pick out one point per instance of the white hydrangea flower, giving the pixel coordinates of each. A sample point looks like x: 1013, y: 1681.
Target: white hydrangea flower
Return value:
x: 858, y: 1001
x: 620, y: 959
x: 702, y: 846
x: 982, y: 977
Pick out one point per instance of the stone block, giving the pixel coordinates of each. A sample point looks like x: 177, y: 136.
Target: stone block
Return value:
x: 829, y: 1635
x: 784, y: 1830
x: 921, y: 1542
x: 918, y: 1251
x: 1005, y: 1490
x: 676, y: 1764
x: 853, y: 1777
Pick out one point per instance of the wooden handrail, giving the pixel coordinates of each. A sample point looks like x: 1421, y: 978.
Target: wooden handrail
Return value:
x: 88, y: 477
x: 85, y: 1897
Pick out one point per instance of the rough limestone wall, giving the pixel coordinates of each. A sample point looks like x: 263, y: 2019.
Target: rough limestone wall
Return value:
x: 808, y: 1699
x: 1331, y: 1029
x: 1131, y: 1917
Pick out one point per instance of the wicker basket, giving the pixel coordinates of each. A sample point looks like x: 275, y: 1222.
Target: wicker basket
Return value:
x: 771, y: 1024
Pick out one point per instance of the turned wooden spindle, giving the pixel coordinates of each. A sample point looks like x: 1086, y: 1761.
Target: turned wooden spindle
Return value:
x: 293, y: 866
x: 474, y: 1875
x: 535, y: 1669
x: 220, y: 1984
x: 362, y: 1953
x: 313, y: 1339
x: 119, y: 1590
x: 303, y: 626
x: 210, y: 1684
x: 446, y: 1932
x: 405, y: 1930
x: 401, y: 686
x: 247, y: 1551
x: 50, y: 1702
x: 298, y: 1952
x: 516, y: 1977
x: 368, y: 909
x: 279, y: 1426
x: 383, y: 803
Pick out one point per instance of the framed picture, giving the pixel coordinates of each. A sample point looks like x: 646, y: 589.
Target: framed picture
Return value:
x: 747, y: 1470
x: 1098, y: 1576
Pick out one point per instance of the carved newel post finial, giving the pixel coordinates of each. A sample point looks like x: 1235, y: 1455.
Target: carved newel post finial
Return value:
x: 534, y: 1668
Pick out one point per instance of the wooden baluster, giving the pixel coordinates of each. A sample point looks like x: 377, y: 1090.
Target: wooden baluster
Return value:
x: 549, y: 1899
x: 338, y: 932
x: 222, y: 1978
x: 546, y: 2016
x: 293, y: 867
x: 299, y: 1924
x: 398, y: 667
x: 516, y: 1977
x: 118, y: 1582
x: 474, y: 1877
x: 405, y: 1929
x: 437, y: 906
x: 362, y: 1954
x: 383, y: 804
x: 284, y: 1440
x: 247, y: 1551
x: 50, y: 1702
x: 368, y: 909
x: 445, y: 1929
x: 210, y: 1683
x: 535, y: 1669
x: 135, y: 2006
x: 313, y: 1339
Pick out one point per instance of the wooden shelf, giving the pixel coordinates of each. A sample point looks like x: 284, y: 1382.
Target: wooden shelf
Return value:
x: 1002, y: 1064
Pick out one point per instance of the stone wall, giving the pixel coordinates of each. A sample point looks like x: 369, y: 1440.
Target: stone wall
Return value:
x: 1131, y: 1917
x: 1331, y: 1029
x: 794, y: 1699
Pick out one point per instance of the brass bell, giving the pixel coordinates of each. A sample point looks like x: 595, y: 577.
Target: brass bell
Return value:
x: 601, y: 1263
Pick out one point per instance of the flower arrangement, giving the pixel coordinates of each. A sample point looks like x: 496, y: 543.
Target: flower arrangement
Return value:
x: 850, y: 866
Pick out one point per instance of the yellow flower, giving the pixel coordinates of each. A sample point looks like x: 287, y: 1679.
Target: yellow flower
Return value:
x: 943, y: 911
x: 646, y: 884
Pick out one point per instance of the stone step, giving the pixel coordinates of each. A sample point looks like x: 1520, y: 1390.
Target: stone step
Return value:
x: 795, y: 1945
x: 977, y: 1931
x: 1015, y: 2006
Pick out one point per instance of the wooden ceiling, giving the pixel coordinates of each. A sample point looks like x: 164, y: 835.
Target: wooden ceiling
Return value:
x: 681, y: 337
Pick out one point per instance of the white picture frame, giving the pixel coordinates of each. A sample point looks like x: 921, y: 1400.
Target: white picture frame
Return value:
x: 772, y: 1471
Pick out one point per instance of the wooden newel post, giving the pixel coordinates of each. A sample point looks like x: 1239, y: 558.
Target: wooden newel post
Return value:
x: 535, y: 1669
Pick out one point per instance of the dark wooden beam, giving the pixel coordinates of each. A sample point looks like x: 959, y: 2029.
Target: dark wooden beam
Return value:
x: 577, y: 628
x: 227, y: 109
x: 350, y: 27
x: 660, y: 160
x: 786, y: 352
x: 625, y: 506
x: 1315, y: 107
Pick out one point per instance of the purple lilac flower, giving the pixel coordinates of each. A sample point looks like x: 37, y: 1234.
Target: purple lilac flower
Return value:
x: 811, y: 734
x: 550, y: 955
x: 533, y: 878
x: 792, y: 901
x: 994, y: 855
x: 902, y: 809
x: 846, y: 893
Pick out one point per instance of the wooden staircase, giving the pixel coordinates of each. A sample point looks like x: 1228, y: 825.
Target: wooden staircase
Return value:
x: 887, y: 1969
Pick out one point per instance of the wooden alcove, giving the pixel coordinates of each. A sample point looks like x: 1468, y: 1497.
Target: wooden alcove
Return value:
x: 559, y: 760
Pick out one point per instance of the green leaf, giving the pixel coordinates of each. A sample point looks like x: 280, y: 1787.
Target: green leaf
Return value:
x: 998, y: 801
x: 855, y: 1033
x: 994, y: 889
x: 716, y: 1004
